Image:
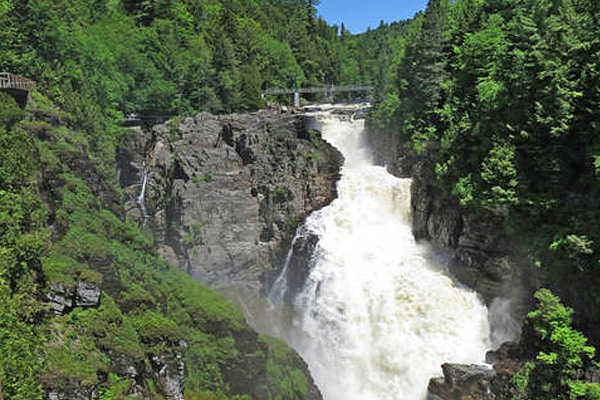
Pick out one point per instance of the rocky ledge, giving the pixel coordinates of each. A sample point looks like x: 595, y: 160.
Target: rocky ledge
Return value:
x: 224, y: 194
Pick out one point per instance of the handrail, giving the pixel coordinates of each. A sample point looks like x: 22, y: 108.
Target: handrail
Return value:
x: 13, y: 81
x: 322, y: 89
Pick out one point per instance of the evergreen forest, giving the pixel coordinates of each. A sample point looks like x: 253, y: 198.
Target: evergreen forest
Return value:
x: 504, y: 93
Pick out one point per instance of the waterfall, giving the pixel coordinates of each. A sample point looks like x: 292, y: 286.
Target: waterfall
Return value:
x: 378, y: 313
x: 141, y: 199
x: 279, y: 287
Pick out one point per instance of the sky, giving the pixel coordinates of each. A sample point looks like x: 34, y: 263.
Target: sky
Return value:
x: 358, y: 15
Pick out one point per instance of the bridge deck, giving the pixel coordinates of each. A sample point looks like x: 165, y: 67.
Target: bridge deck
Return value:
x: 322, y: 89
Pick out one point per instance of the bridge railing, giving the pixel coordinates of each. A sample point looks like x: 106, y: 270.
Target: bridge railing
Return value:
x: 322, y: 89
x: 13, y: 81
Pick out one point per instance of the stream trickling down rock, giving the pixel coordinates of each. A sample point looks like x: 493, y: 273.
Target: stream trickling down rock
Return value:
x: 378, y: 314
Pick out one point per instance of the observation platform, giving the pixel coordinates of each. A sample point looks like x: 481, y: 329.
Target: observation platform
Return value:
x: 17, y: 86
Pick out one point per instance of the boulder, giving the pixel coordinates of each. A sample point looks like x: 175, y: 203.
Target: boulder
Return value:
x: 462, y: 382
x: 61, y: 296
x: 87, y: 295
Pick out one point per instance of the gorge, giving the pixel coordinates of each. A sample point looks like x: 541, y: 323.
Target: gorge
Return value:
x: 373, y: 311
x: 132, y: 258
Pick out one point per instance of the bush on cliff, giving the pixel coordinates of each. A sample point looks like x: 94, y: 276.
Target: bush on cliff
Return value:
x: 560, y: 355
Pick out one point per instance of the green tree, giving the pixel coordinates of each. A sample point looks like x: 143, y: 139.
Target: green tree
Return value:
x: 561, y: 355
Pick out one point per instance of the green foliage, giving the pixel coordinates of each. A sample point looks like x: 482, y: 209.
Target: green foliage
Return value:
x: 20, y: 349
x: 562, y: 354
x: 499, y: 174
x: 501, y: 99
x: 285, y: 379
x: 10, y: 113
x: 155, y: 328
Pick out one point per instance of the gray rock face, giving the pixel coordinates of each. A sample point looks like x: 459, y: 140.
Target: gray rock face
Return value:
x: 480, y: 255
x: 168, y: 369
x: 72, y: 390
x: 462, y: 382
x: 64, y: 297
x: 223, y: 195
x: 88, y: 295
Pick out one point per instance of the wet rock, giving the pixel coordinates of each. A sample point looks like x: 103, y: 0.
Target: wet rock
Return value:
x: 461, y: 381
x: 301, y: 261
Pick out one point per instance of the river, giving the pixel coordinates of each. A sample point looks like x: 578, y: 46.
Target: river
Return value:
x: 378, y: 313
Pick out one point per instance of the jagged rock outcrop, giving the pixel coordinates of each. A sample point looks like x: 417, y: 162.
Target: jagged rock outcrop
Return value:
x: 300, y: 262
x: 64, y: 296
x: 224, y: 194
x: 168, y: 371
x: 461, y: 382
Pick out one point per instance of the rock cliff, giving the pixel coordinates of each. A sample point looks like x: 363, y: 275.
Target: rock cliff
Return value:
x: 116, y: 320
x: 224, y: 194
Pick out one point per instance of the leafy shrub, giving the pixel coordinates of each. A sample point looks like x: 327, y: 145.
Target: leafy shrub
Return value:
x: 562, y: 354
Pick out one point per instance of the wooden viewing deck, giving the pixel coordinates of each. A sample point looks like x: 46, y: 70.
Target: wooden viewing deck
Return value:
x: 17, y: 86
x: 13, y: 81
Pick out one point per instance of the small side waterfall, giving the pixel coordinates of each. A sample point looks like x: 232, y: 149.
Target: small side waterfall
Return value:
x: 280, y: 286
x: 141, y: 199
x: 378, y: 314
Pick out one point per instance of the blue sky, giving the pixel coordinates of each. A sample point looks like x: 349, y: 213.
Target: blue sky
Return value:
x: 357, y: 15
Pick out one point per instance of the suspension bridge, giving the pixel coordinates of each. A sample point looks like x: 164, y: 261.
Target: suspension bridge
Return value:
x: 327, y: 90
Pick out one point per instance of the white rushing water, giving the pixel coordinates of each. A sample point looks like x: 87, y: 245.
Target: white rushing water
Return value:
x: 378, y: 314
x: 141, y: 199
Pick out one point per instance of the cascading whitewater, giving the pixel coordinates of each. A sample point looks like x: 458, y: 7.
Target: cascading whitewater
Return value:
x: 141, y: 199
x: 378, y: 314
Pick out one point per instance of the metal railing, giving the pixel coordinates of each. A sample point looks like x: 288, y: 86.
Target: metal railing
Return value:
x: 13, y: 81
x: 322, y: 89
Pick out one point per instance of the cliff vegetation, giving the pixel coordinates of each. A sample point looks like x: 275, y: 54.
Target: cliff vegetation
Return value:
x: 89, y: 310
x: 493, y: 106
